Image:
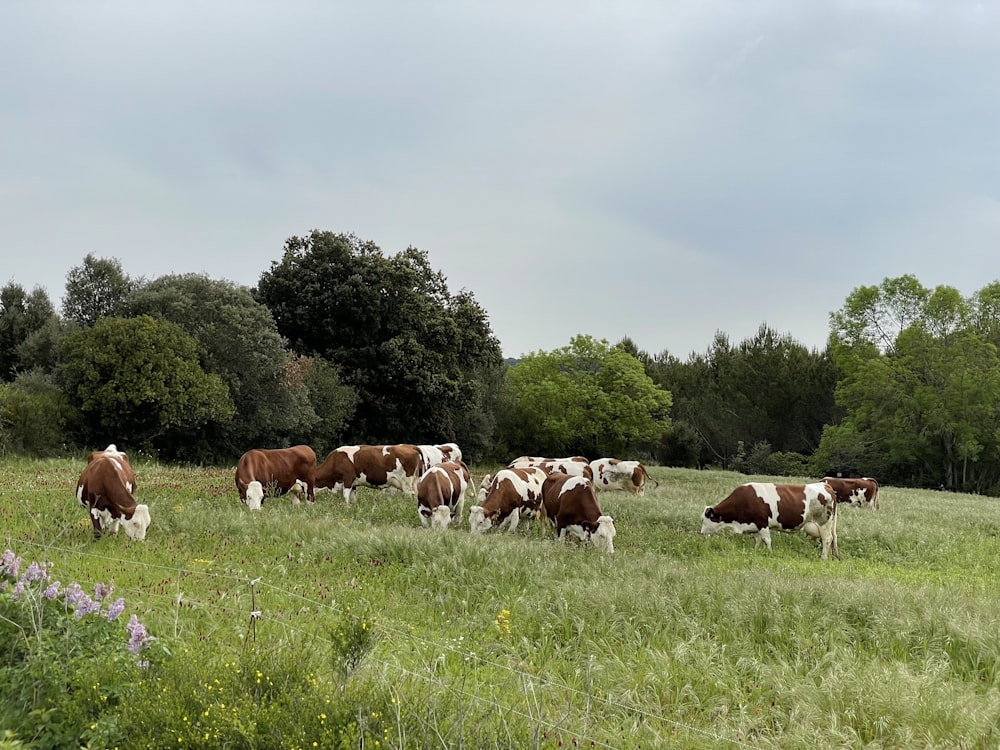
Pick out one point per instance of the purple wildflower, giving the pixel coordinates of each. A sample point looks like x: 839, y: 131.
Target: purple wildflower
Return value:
x: 15, y: 593
x: 35, y: 572
x: 10, y: 564
x: 52, y: 591
x: 116, y: 609
x: 137, y: 634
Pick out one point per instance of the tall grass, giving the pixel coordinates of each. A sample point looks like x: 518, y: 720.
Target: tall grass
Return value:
x: 373, y: 630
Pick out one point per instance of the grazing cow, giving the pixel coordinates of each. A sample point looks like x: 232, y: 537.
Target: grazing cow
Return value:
x: 511, y: 493
x: 105, y: 487
x: 349, y: 466
x: 571, y: 507
x: 281, y: 470
x: 436, y: 454
x: 758, y: 507
x: 615, y: 474
x: 441, y: 494
x: 861, y: 491
x: 525, y: 462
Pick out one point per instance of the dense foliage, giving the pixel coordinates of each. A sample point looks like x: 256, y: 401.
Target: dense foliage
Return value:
x: 588, y: 399
x: 423, y: 361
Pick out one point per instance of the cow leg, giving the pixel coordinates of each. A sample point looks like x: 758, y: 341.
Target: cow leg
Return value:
x: 97, y: 526
x: 764, y: 535
x: 513, y: 519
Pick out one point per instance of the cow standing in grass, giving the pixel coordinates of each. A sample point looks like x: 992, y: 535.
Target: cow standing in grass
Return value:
x: 441, y: 494
x: 862, y: 492
x: 105, y: 488
x: 570, y: 506
x: 279, y: 470
x: 615, y: 474
x: 397, y: 466
x: 511, y: 494
x: 758, y: 507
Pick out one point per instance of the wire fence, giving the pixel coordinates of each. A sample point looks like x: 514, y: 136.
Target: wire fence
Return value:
x: 258, y: 602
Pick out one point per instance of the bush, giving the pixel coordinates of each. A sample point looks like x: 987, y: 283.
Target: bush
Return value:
x: 66, y: 661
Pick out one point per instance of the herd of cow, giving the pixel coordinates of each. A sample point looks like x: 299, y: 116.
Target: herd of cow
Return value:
x: 560, y: 493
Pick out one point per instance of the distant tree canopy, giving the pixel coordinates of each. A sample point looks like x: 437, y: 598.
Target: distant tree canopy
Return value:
x: 96, y: 289
x: 920, y: 386
x: 769, y: 391
x: 586, y: 398
x: 422, y: 361
x: 22, y: 317
x: 138, y: 379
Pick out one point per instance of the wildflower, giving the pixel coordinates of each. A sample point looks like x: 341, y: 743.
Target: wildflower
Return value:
x: 52, y: 591
x: 35, y: 572
x: 10, y: 564
x: 137, y: 634
x: 116, y: 609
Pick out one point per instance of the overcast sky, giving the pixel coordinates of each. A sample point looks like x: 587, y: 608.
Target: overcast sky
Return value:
x: 663, y: 169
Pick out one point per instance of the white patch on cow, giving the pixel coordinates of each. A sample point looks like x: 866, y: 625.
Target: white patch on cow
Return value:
x: 79, y: 494
x: 135, y: 527
x: 603, y: 537
x: 511, y: 520
x: 297, y: 490
x: 710, y: 527
x: 441, y: 517
x: 255, y: 495
x: 105, y: 519
x: 478, y: 522
x: 431, y: 454
x: 572, y: 482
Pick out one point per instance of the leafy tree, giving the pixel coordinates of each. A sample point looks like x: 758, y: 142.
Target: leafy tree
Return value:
x: 329, y: 400
x: 96, y: 289
x: 35, y: 416
x: 238, y: 341
x: 417, y: 356
x: 767, y: 390
x: 921, y: 380
x: 587, y: 398
x: 136, y: 380
x: 21, y: 315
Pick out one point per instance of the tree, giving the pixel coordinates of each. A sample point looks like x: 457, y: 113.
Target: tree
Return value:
x: 921, y: 380
x: 769, y: 390
x: 21, y: 315
x: 238, y: 341
x: 587, y: 398
x: 35, y: 416
x: 416, y: 355
x: 96, y: 289
x: 135, y: 380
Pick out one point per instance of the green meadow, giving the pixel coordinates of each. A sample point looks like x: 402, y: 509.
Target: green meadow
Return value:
x: 329, y: 625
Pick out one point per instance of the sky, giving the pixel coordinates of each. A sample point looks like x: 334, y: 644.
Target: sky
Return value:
x: 657, y: 169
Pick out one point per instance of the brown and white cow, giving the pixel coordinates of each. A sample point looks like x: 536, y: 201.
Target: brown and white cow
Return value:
x: 441, y: 494
x: 349, y: 466
x: 861, y: 491
x: 105, y: 487
x: 615, y: 474
x: 758, y: 507
x: 571, y: 507
x: 524, y: 462
x: 437, y: 454
x: 278, y: 470
x: 511, y: 494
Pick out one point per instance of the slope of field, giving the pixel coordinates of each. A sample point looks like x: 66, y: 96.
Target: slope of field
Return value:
x: 413, y: 638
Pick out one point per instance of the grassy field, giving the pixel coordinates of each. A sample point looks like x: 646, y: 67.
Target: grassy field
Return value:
x: 375, y: 632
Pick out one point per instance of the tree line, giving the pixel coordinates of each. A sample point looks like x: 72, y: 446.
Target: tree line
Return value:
x: 339, y: 342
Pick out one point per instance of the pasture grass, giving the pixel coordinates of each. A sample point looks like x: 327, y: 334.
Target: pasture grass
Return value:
x: 375, y: 632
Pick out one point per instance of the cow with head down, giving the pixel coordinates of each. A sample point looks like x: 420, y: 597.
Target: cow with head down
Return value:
x: 438, y: 454
x: 509, y: 495
x: 441, y: 494
x: 570, y: 506
x: 105, y: 488
x: 278, y: 471
x: 758, y: 507
x: 615, y: 474
x: 395, y: 466
x: 861, y: 491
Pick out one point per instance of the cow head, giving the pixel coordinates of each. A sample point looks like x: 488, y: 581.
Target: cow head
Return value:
x: 255, y: 495
x: 478, y: 522
x: 441, y: 517
x: 603, y: 536
x: 298, y: 490
x: 135, y: 527
x: 711, y: 521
